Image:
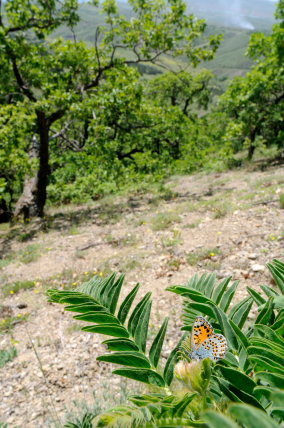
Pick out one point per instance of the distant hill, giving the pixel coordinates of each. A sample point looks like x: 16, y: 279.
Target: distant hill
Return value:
x: 247, y: 14
x: 235, y: 19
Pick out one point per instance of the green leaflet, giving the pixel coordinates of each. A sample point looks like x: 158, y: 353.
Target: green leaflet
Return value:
x: 113, y: 294
x: 200, y: 307
x: 276, y: 348
x: 228, y: 296
x: 219, y: 291
x: 266, y: 315
x: 240, y: 311
x: 126, y: 305
x: 223, y: 385
x: 264, y: 330
x: 278, y: 413
x: 262, y: 363
x: 131, y: 359
x: 278, y: 325
x: 230, y: 359
x: 156, y: 348
x: 263, y: 351
x: 141, y: 329
x: 108, y: 329
x: 276, y: 270
x: 207, y: 286
x: 272, y: 379
x: 240, y: 335
x: 257, y: 297
x: 134, y: 317
x: 251, y: 416
x: 238, y: 379
x: 169, y: 367
x: 72, y: 297
x: 269, y: 291
x: 181, y: 406
x: 145, y: 399
x: 245, y: 397
x: 121, y: 345
x: 189, y: 293
x: 226, y: 327
x: 217, y: 420
x: 142, y: 375
x: 85, y: 307
x: 97, y: 317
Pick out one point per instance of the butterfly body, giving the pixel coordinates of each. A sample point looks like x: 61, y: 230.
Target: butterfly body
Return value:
x: 205, y: 343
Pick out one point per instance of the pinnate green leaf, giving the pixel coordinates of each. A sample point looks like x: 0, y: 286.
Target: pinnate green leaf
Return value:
x: 142, y: 375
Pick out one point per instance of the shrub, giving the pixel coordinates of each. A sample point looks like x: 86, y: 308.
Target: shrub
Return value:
x: 7, y: 355
x: 246, y: 388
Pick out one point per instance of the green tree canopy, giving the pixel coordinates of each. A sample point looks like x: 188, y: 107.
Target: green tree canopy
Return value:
x: 54, y: 78
x: 255, y: 103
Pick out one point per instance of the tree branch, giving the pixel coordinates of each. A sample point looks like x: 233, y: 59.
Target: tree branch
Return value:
x: 55, y: 116
x: 1, y: 22
x: 20, y: 81
x: 33, y: 23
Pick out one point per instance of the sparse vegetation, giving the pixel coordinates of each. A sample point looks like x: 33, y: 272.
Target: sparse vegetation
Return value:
x: 202, y: 254
x: 31, y: 253
x: 7, y: 355
x: 256, y: 378
x: 174, y: 240
x: 122, y: 151
x: 164, y: 220
x: 7, y: 324
x: 16, y: 286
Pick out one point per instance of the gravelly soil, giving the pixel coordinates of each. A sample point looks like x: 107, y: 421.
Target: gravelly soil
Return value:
x: 231, y: 223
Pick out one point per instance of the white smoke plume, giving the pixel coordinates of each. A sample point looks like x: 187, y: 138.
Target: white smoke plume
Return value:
x: 234, y: 14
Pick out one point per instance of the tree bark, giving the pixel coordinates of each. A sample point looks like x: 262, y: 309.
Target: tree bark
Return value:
x: 31, y: 202
x: 44, y: 169
x: 252, y: 147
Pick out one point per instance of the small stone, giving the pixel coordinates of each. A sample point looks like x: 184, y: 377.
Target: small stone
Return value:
x: 22, y: 305
x: 252, y: 256
x: 245, y: 274
x: 257, y: 268
x: 223, y: 274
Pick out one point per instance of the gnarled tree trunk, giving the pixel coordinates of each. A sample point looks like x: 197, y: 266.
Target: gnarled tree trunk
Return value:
x: 31, y: 202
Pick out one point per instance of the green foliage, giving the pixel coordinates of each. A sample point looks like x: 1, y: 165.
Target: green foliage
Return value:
x: 73, y: 97
x: 16, y: 286
x: 7, y: 355
x: 86, y: 422
x: 281, y: 200
x: 202, y: 254
x: 7, y: 324
x: 246, y: 387
x: 255, y: 102
x: 164, y: 220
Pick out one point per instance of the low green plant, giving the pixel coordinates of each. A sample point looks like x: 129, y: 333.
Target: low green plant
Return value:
x: 9, y: 323
x: 192, y: 225
x: 16, y: 286
x: 5, y: 262
x: 127, y: 240
x: 130, y: 264
x: 164, y: 220
x: 7, y: 355
x: 202, y: 254
x: 245, y: 388
x: 221, y: 210
x: 31, y: 253
x: 281, y: 201
x: 174, y: 240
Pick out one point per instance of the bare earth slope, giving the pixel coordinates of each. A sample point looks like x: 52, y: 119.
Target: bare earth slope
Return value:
x: 231, y: 223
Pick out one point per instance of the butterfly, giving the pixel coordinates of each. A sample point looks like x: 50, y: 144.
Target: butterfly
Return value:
x: 205, y: 343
